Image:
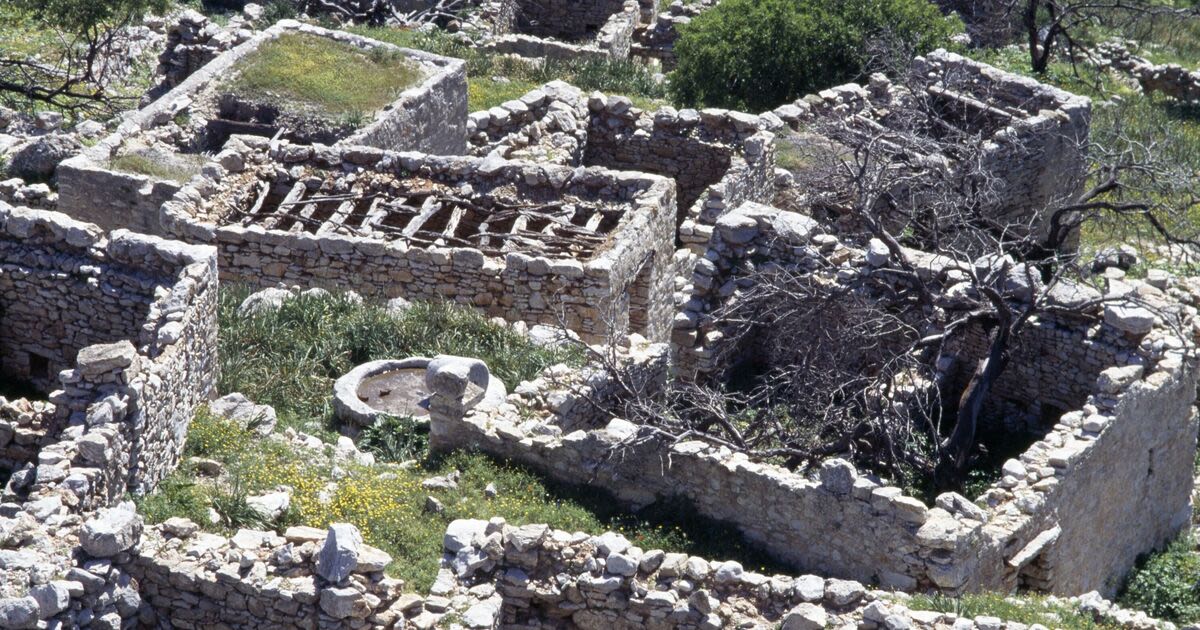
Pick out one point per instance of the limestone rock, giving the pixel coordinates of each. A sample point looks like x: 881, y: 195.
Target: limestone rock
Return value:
x: 236, y: 407
x: 39, y: 159
x: 263, y: 301
x: 18, y: 612
x: 805, y: 616
x: 110, y: 532
x: 339, y: 555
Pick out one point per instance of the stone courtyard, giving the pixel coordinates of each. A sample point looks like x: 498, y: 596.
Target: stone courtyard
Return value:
x: 633, y: 230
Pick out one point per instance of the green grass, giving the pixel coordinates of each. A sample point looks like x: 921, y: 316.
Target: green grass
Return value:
x: 485, y: 92
x: 1166, y: 584
x: 334, y: 78
x: 290, y: 358
x: 389, y: 508
x: 180, y: 168
x: 1026, y: 609
x: 628, y: 78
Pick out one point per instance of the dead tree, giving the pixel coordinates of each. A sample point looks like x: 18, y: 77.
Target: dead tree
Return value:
x: 858, y: 361
x: 77, y: 75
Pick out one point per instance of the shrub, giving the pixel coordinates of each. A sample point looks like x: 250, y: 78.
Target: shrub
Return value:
x: 395, y: 438
x: 757, y: 54
x: 1167, y: 584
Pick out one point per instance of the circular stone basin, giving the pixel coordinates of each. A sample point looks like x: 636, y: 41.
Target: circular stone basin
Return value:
x: 397, y: 392
x: 382, y: 388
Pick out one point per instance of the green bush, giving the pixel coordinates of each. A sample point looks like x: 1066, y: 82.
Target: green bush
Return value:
x: 756, y: 54
x: 395, y: 439
x: 1167, y: 584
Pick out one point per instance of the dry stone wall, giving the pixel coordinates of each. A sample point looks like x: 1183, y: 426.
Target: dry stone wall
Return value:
x: 718, y: 158
x: 1168, y: 79
x: 175, y: 129
x: 562, y: 29
x: 1034, y: 135
x: 608, y: 286
x: 115, y: 421
x: 1030, y: 528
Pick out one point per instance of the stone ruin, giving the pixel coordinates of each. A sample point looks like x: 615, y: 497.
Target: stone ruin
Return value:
x: 655, y: 41
x: 545, y: 244
x: 194, y: 120
x: 116, y: 335
x: 1168, y: 79
x: 574, y: 209
x: 1033, y: 135
x: 561, y: 29
x: 1132, y: 391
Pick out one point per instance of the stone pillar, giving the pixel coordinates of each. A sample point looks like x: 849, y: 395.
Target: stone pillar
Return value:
x: 456, y: 385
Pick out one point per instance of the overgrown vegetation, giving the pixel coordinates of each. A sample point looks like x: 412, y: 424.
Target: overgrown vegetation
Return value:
x: 388, y: 502
x: 333, y: 77
x: 1167, y: 584
x: 756, y: 54
x: 1026, y: 609
x: 395, y: 438
x: 289, y: 358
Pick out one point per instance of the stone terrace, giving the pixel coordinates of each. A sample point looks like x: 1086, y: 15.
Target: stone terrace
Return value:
x: 196, y: 117
x: 520, y: 241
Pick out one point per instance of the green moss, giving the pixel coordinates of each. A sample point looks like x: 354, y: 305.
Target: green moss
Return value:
x: 332, y: 77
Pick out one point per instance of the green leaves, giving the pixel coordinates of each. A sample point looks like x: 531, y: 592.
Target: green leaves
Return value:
x: 757, y: 54
x: 79, y: 16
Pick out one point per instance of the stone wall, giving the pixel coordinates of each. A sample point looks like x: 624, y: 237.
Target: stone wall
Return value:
x: 1023, y: 530
x: 115, y: 420
x: 426, y: 117
x: 656, y: 40
x: 148, y: 346
x: 718, y: 158
x: 1032, y: 136
x: 1168, y: 79
x: 621, y: 280
x: 562, y: 29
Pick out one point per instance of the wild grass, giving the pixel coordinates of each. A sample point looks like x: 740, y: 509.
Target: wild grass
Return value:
x: 175, y: 168
x: 387, y: 502
x: 628, y: 78
x: 334, y: 78
x: 1026, y: 609
x: 290, y: 358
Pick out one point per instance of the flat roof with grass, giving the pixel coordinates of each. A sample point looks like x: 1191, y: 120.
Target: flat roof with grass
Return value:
x: 330, y: 76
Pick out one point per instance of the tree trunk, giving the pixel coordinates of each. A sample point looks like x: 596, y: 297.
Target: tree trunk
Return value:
x: 952, y: 469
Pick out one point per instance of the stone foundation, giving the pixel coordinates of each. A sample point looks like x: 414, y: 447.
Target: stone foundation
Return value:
x: 176, y: 128
x: 598, y: 268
